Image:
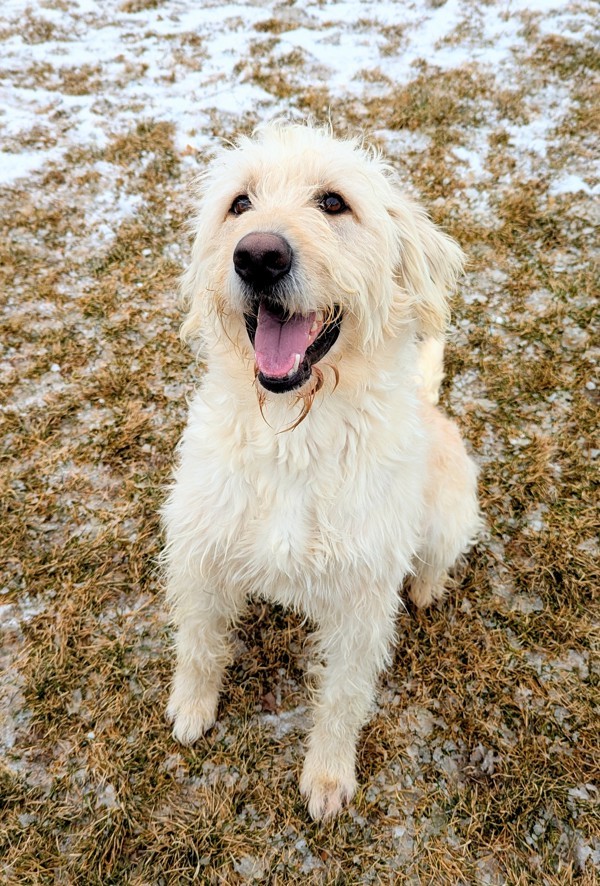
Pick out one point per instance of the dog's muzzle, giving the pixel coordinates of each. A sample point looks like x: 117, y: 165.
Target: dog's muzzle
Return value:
x: 286, y: 344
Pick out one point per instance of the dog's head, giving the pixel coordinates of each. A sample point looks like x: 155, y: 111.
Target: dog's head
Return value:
x: 307, y: 249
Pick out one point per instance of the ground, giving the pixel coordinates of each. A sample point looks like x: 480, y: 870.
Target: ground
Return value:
x: 480, y: 765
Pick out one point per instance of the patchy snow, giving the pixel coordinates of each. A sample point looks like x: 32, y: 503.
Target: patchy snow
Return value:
x: 183, y: 61
x: 15, y: 166
x: 572, y: 184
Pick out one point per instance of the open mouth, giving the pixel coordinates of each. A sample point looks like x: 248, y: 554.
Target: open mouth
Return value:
x: 286, y: 346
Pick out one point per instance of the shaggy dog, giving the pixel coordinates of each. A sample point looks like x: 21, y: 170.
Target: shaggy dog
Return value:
x: 315, y: 469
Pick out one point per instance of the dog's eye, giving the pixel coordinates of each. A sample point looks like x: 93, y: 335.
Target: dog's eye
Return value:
x: 241, y: 204
x: 333, y: 204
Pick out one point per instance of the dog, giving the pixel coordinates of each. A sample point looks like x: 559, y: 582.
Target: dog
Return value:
x: 315, y: 469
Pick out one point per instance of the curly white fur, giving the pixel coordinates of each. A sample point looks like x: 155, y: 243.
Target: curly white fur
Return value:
x: 373, y: 487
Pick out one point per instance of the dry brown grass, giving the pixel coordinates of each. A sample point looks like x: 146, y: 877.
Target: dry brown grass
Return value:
x: 474, y: 768
x: 440, y: 104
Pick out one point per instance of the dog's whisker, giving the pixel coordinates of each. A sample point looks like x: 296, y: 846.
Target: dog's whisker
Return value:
x: 336, y: 373
x: 261, y: 397
x: 307, y: 400
x: 222, y: 313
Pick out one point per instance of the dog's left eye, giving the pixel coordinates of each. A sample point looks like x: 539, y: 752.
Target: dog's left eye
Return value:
x: 333, y: 204
x: 241, y: 204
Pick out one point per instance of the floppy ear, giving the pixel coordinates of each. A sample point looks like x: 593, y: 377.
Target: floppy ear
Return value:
x: 429, y: 263
x: 192, y: 288
x: 197, y: 299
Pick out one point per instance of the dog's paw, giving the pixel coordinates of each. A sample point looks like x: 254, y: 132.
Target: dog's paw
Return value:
x: 191, y: 718
x: 326, y: 793
x: 423, y: 591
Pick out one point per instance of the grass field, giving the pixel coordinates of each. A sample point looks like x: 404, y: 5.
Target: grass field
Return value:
x: 480, y: 765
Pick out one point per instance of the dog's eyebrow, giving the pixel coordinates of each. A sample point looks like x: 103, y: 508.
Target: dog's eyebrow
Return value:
x: 322, y: 190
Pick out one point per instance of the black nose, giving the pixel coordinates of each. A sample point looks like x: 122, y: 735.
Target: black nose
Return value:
x: 262, y: 259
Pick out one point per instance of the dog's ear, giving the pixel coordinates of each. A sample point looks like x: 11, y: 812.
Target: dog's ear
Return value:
x: 191, y: 288
x: 428, y: 265
x: 195, y: 283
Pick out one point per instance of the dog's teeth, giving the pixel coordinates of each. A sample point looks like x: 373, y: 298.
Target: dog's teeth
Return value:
x: 313, y: 328
x: 294, y: 368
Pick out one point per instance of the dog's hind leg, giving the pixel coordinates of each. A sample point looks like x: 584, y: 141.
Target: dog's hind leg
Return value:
x: 354, y: 643
x: 452, y: 519
x: 427, y: 585
x: 431, y: 369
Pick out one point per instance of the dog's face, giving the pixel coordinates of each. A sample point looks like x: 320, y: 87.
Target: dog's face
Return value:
x: 306, y: 249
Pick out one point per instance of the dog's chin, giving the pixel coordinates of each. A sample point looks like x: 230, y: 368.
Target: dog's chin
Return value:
x: 288, y: 382
x: 297, y: 377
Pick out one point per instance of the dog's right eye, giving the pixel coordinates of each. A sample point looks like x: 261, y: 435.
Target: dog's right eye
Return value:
x: 333, y: 204
x: 240, y: 204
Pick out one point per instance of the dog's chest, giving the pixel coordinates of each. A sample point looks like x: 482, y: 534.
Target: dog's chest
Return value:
x: 284, y: 521
x: 279, y: 518
x: 330, y: 505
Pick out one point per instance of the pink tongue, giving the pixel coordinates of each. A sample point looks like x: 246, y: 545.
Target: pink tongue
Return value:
x: 277, y: 342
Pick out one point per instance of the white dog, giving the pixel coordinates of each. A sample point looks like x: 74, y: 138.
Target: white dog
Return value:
x: 315, y: 469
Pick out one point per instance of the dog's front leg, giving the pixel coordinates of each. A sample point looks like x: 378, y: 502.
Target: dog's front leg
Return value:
x: 203, y: 616
x: 355, y: 645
